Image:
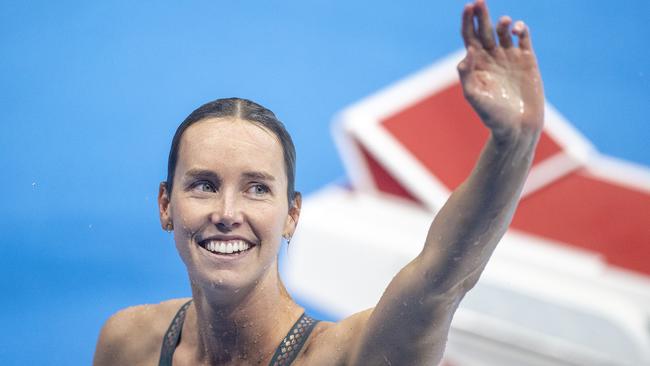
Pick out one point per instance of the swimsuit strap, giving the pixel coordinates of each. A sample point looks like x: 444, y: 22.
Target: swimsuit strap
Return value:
x: 173, y: 336
x: 284, y: 355
x: 293, y: 341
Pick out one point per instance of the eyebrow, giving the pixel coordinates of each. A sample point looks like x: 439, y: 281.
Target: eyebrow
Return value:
x: 203, y: 173
x: 259, y: 176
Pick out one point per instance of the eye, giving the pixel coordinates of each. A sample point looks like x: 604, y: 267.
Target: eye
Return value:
x: 204, y: 186
x: 258, y: 189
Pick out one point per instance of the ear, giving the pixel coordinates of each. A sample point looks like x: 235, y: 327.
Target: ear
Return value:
x: 163, y: 206
x: 293, y: 215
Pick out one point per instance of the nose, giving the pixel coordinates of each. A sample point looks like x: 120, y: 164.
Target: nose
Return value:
x: 227, y: 214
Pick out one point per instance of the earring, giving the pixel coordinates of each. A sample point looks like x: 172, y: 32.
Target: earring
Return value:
x: 169, y: 227
x: 287, y: 237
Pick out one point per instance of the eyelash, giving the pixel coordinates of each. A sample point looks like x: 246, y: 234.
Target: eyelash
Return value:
x: 265, y: 189
x: 203, y: 183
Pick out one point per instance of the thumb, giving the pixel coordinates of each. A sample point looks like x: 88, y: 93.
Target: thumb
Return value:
x: 465, y: 65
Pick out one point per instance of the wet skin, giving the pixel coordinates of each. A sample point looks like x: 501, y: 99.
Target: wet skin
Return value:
x: 229, y: 183
x: 241, y: 310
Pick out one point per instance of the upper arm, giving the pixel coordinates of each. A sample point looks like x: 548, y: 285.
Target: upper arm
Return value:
x: 110, y: 345
x: 410, y: 323
x: 125, y: 339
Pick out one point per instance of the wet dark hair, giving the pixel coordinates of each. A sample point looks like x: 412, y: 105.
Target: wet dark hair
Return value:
x: 246, y: 110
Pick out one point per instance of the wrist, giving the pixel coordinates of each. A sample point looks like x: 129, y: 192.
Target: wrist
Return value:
x: 523, y: 136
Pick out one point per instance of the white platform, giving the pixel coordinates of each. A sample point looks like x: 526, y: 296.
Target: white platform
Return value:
x: 537, y: 303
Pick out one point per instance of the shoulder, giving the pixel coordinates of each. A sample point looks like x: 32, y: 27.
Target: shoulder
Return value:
x: 332, y: 343
x: 134, y: 335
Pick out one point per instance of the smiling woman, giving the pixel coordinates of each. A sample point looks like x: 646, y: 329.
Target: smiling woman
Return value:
x: 229, y: 200
x: 230, y: 194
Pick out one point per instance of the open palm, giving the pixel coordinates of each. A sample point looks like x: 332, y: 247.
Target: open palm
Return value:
x: 501, y: 81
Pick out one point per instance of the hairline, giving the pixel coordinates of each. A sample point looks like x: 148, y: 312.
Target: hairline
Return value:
x: 235, y: 118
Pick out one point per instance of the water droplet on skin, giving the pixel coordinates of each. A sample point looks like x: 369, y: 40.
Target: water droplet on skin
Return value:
x: 504, y: 93
x: 476, y: 243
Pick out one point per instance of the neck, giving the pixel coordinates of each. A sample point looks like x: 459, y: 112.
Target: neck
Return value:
x: 228, y: 326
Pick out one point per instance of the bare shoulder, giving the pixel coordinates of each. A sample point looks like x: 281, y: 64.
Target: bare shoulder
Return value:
x: 133, y: 336
x: 332, y: 343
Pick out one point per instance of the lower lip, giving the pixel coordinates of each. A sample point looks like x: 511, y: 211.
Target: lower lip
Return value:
x: 227, y: 257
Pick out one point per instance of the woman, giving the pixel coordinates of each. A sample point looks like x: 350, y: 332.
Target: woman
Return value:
x: 229, y: 201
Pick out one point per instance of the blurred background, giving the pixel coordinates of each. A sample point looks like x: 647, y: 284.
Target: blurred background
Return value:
x: 93, y: 91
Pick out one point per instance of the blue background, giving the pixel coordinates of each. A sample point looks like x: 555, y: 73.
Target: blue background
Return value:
x: 93, y: 91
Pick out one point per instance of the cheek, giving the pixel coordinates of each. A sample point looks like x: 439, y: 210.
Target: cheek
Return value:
x: 188, y: 217
x: 268, y: 219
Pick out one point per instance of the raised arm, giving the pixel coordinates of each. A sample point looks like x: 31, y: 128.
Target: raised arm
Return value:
x: 501, y: 81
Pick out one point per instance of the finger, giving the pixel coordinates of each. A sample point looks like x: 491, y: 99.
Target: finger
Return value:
x: 468, y: 29
x: 521, y: 31
x: 485, y: 31
x: 503, y: 31
x: 466, y: 65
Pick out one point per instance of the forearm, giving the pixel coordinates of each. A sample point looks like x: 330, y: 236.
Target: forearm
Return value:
x: 468, y: 227
x: 503, y: 85
x: 421, y: 299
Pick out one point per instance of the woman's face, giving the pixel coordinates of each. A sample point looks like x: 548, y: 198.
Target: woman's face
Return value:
x: 229, y: 202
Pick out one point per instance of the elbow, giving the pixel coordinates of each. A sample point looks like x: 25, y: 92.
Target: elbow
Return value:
x: 454, y: 289
x: 470, y: 281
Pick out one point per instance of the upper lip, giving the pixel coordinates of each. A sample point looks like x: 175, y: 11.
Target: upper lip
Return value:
x: 224, y: 238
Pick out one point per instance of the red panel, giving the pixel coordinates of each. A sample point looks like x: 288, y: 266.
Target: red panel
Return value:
x: 446, y: 136
x: 592, y: 214
x: 385, y: 181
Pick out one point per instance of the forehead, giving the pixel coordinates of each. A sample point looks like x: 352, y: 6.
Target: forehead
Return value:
x: 231, y: 143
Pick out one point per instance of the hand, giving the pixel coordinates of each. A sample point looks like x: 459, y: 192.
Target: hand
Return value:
x: 501, y: 82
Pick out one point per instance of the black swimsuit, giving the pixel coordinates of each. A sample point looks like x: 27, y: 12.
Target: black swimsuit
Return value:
x: 284, y: 354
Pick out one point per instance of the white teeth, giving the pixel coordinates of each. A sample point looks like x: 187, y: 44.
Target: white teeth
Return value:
x: 227, y: 247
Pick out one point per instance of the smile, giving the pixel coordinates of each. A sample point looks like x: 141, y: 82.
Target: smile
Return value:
x: 225, y: 246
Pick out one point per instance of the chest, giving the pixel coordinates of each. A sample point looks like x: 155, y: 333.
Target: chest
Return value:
x: 317, y: 349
